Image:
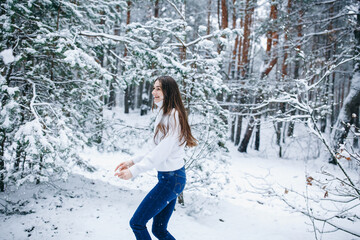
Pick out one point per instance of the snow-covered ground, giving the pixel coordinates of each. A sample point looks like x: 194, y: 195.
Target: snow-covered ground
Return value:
x: 98, y: 205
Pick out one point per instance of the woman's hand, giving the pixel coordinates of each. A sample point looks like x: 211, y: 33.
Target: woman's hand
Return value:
x: 124, y: 174
x: 124, y: 165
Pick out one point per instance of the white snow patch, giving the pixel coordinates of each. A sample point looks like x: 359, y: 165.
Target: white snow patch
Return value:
x: 7, y: 56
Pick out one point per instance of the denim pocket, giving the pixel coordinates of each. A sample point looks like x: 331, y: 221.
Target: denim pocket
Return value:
x: 180, y: 181
x: 173, y: 180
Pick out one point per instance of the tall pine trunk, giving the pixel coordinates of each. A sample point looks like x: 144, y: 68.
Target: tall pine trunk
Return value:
x: 232, y: 63
x: 2, y: 163
x: 272, y: 40
x: 180, y: 198
x: 224, y: 14
x: 245, y: 58
x: 244, y: 67
x: 291, y: 127
x: 224, y: 21
x: 127, y: 90
x: 208, y: 27
x: 286, y: 44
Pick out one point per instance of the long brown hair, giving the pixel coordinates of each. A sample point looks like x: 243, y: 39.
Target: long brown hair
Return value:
x: 172, y: 99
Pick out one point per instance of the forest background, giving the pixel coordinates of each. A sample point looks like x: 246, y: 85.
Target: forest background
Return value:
x: 68, y: 66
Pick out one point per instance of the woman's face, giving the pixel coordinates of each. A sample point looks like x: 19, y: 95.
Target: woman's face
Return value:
x: 157, y: 92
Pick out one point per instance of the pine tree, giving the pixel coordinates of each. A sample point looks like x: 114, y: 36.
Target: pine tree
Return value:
x: 52, y: 93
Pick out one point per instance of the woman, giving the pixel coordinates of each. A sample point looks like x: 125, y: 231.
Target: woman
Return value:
x: 172, y: 134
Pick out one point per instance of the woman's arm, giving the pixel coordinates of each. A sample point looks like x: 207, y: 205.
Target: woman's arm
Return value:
x: 161, y: 151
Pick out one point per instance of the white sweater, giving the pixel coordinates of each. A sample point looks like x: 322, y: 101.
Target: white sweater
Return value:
x: 167, y: 154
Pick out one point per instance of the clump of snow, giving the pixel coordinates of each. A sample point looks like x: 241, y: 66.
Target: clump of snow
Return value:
x: 188, y: 29
x: 7, y: 56
x: 206, y: 44
x: 202, y: 29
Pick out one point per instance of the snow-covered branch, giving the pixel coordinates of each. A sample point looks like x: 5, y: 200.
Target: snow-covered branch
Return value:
x: 176, y: 9
x: 331, y: 70
x: 109, y: 36
x: 326, y: 32
x: 169, y: 31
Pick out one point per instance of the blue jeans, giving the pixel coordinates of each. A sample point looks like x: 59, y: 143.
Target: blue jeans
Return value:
x: 159, y: 204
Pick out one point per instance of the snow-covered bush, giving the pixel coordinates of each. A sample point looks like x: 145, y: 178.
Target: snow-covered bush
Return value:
x: 53, y: 89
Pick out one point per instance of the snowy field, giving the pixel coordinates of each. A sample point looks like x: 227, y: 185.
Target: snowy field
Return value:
x: 98, y: 205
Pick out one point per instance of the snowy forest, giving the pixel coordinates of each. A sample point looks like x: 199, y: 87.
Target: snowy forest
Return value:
x: 267, y: 84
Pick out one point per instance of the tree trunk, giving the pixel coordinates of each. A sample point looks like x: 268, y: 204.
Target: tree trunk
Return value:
x: 127, y: 90
x: 278, y: 127
x: 146, y: 102
x: 41, y: 160
x: 238, y: 130
x: 4, y: 99
x: 298, y: 46
x: 2, y: 163
x: 329, y: 82
x: 232, y: 63
x: 244, y: 66
x: 224, y: 15
x: 290, y: 130
x: 132, y: 96
x: 127, y: 100
x: 286, y: 46
x: 112, y: 94
x: 208, y: 28
x: 218, y: 13
x: 186, y: 100
x: 357, y: 129
x: 224, y: 21
x: 233, y: 123
x: 239, y: 60
x: 156, y: 9
x: 17, y: 159
x: 249, y: 10
x: 291, y: 127
x: 272, y: 41
x: 139, y: 96
x: 245, y: 142
x: 257, y: 136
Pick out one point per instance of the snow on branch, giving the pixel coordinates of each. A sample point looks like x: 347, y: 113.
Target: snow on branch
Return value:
x: 200, y: 39
x: 327, y: 221
x: 109, y: 36
x: 182, y: 43
x: 169, y: 31
x: 330, y: 71
x: 326, y: 32
x: 176, y: 9
x: 128, y: 40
